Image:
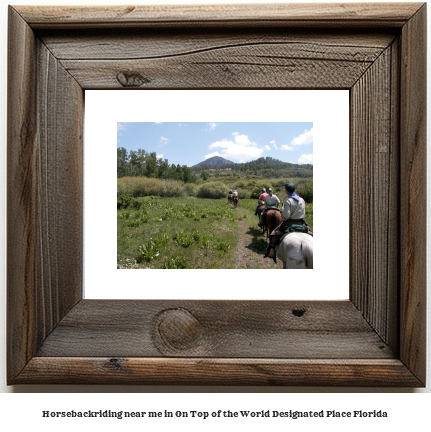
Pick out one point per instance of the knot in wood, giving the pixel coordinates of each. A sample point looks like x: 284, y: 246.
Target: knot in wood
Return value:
x: 131, y: 79
x: 178, y: 329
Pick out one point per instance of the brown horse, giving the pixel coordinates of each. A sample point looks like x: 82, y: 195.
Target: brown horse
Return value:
x: 272, y: 221
x: 235, y: 201
x: 259, y: 212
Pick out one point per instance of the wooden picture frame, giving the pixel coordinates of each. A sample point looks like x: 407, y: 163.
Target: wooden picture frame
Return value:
x: 376, y: 338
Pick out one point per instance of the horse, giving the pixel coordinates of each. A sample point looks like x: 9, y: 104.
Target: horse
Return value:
x: 272, y: 221
x: 296, y: 251
x: 235, y: 201
x: 229, y: 198
x: 259, y: 212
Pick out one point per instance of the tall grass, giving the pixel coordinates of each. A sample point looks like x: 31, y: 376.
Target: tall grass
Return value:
x: 133, y: 187
x: 144, y: 186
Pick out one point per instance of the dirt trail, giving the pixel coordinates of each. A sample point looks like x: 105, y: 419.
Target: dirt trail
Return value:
x: 247, y: 255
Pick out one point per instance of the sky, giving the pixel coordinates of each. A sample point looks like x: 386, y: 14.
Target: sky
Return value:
x: 190, y: 143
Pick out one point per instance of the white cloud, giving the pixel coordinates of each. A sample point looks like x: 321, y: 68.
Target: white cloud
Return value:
x: 286, y: 147
x: 267, y: 147
x: 163, y: 141
x: 306, y: 159
x: 120, y: 128
x: 274, y: 144
x: 304, y: 138
x: 239, y: 149
x: 210, y: 155
x: 158, y: 122
x: 213, y: 125
x: 160, y: 156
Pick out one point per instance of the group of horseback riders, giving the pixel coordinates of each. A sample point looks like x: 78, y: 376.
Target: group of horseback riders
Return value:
x: 233, y: 196
x: 292, y: 215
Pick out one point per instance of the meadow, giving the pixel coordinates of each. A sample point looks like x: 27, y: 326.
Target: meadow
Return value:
x: 189, y: 232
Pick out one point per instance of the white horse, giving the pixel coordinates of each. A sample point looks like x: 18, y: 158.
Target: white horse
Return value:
x: 296, y: 251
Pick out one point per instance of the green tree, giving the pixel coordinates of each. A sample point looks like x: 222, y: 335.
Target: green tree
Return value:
x: 150, y: 165
x: 122, y: 162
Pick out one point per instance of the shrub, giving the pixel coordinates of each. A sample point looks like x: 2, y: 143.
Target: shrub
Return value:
x: 175, y: 263
x: 257, y: 190
x: 184, y: 239
x: 123, y: 201
x: 147, y: 252
x: 243, y: 193
x: 213, y: 190
x: 190, y: 189
x: 305, y: 190
x: 144, y: 186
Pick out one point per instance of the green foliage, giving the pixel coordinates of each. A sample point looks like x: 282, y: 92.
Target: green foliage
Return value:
x: 131, y: 223
x: 140, y: 163
x: 305, y: 190
x: 257, y: 190
x: 147, y: 252
x: 153, y: 241
x: 222, y: 247
x: 184, y: 239
x: 190, y: 189
x: 176, y: 262
x: 143, y: 187
x: 213, y: 190
x: 123, y: 201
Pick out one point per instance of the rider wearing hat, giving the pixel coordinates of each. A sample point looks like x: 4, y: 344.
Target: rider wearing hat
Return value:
x: 294, y: 206
x: 293, y: 218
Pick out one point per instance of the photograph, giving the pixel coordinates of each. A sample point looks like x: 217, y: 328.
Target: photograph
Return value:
x: 207, y: 195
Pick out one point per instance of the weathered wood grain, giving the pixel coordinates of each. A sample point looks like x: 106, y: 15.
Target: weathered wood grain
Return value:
x: 21, y: 194
x: 254, y: 15
x: 45, y: 106
x: 329, y: 372
x: 235, y: 329
x: 262, y: 66
x: 140, y: 44
x: 413, y: 194
x: 375, y: 338
x: 374, y: 213
x: 227, y: 60
x: 59, y: 170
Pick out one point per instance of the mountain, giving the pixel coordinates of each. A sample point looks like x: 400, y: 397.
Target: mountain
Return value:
x: 215, y: 160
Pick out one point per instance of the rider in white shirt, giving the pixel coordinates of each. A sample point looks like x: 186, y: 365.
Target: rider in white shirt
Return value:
x: 293, y: 218
x: 271, y: 201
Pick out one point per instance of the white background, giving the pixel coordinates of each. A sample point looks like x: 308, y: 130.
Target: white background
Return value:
x: 329, y: 112
x: 23, y: 410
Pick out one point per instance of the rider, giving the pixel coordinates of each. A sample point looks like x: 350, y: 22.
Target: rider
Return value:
x: 293, y: 218
x: 261, y: 200
x: 235, y: 193
x: 271, y: 202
